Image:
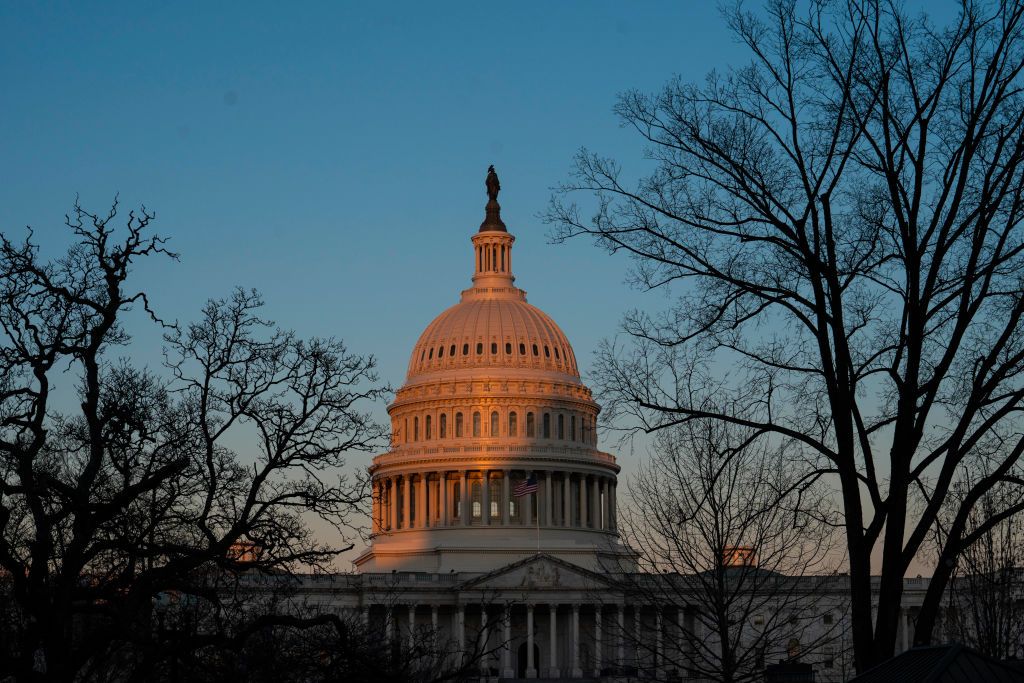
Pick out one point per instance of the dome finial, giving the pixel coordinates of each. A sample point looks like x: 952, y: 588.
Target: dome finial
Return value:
x: 492, y: 220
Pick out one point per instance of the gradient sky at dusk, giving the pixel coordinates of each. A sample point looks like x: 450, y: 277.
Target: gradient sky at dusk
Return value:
x: 334, y: 156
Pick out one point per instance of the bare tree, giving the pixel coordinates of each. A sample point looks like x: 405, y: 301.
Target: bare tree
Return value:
x: 985, y: 602
x: 120, y: 484
x: 840, y: 219
x: 732, y: 539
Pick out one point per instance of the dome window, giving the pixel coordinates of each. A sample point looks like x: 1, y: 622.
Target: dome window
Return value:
x: 475, y: 494
x: 479, y: 348
x: 494, y: 424
x: 531, y: 429
x: 451, y: 350
x: 572, y: 427
x: 426, y: 428
x: 431, y: 355
x: 522, y: 349
x: 465, y: 349
x: 440, y: 352
x: 415, y: 429
x: 423, y: 355
x: 494, y: 348
x: 556, y: 353
x: 476, y: 424
x: 561, y: 426
x: 458, y: 425
x: 508, y: 348
x: 442, y: 426
x: 547, y: 426
x: 535, y: 351
x: 513, y: 426
x: 547, y: 351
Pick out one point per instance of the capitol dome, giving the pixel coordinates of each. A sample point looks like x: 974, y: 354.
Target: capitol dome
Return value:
x: 494, y: 447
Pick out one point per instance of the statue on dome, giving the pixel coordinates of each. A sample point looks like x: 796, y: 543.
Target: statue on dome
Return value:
x: 493, y: 186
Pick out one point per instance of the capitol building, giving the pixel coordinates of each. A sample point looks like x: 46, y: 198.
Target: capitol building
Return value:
x: 494, y: 509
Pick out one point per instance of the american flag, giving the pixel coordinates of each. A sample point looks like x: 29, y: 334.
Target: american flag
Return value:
x: 525, y: 487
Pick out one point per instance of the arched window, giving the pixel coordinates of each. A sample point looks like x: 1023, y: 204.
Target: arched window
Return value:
x: 430, y: 356
x: 556, y: 353
x: 479, y: 348
x: 561, y: 426
x: 415, y: 429
x: 458, y: 425
x: 547, y: 426
x: 535, y: 352
x: 451, y: 350
x: 513, y: 427
x: 494, y: 424
x: 530, y: 429
x: 494, y: 348
x: 442, y: 426
x: 476, y: 424
x: 522, y: 349
x: 423, y: 355
x: 547, y: 351
x: 426, y: 428
x: 476, y: 498
x: 508, y: 348
x: 465, y: 349
x: 503, y: 258
x: 572, y: 427
x: 440, y: 351
x: 405, y: 436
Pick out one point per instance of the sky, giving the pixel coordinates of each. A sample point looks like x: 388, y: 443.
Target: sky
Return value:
x: 332, y: 155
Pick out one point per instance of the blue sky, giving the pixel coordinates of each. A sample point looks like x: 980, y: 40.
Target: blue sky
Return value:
x: 333, y: 155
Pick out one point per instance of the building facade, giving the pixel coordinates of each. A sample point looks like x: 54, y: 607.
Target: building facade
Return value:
x: 494, y: 510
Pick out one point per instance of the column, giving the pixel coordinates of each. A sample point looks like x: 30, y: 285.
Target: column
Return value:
x: 595, y: 503
x: 566, y: 499
x: 658, y: 657
x: 460, y: 629
x: 552, y: 635
x: 485, y: 637
x: 527, y: 508
x: 620, y: 659
x: 615, y: 508
x: 506, y: 650
x: 486, y: 484
x: 393, y: 502
x: 549, y: 502
x: 423, y: 504
x: 636, y: 636
x: 465, y: 516
x: 412, y: 627
x: 443, y: 496
x: 598, y: 637
x: 407, y: 502
x: 584, y: 510
x: 576, y: 671
x: 608, y: 504
x: 504, y: 497
x: 531, y: 670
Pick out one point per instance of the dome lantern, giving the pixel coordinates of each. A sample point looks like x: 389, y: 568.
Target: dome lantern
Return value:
x: 492, y: 245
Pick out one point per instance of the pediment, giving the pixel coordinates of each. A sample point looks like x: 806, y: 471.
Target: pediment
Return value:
x: 539, y: 572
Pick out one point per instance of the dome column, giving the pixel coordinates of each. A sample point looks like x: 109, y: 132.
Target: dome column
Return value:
x: 393, y: 501
x: 505, y: 497
x: 566, y: 499
x: 422, y: 504
x: 407, y: 502
x: 442, y: 494
x: 549, y: 502
x: 584, y: 510
x: 465, y: 517
x: 486, y: 495
x: 595, y: 503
